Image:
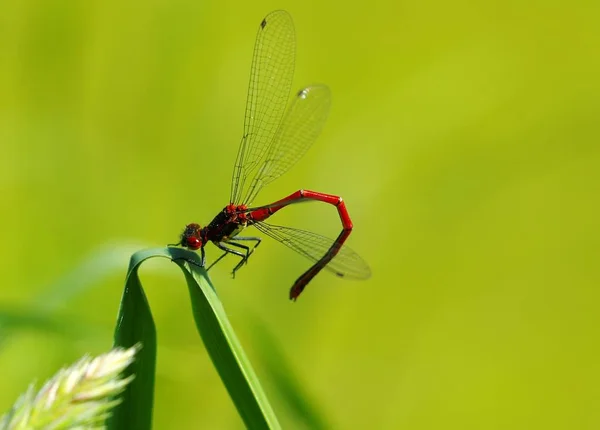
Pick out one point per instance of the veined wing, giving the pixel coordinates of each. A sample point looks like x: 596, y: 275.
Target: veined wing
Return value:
x: 301, y: 126
x: 313, y: 246
x: 270, y: 82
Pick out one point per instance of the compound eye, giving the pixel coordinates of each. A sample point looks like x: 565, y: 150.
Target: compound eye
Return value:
x: 193, y: 243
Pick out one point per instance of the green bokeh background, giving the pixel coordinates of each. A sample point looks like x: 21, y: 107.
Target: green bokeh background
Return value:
x: 463, y: 137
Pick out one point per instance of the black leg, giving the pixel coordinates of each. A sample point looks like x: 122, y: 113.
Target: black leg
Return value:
x: 248, y: 238
x: 217, y: 260
x: 251, y: 238
x: 244, y: 259
x: 249, y: 250
x: 228, y: 250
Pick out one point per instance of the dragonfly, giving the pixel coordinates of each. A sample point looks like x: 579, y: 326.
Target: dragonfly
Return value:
x: 274, y: 140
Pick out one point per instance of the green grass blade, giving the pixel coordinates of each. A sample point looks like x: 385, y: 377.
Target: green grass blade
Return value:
x: 135, y: 324
x: 226, y: 352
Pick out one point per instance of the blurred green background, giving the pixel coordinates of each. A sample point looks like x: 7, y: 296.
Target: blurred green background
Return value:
x: 463, y: 137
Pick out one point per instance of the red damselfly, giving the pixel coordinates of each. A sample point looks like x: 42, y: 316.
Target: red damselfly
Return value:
x: 273, y: 141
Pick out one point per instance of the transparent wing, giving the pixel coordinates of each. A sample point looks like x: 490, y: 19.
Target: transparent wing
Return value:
x: 270, y: 82
x: 346, y: 263
x: 301, y: 126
